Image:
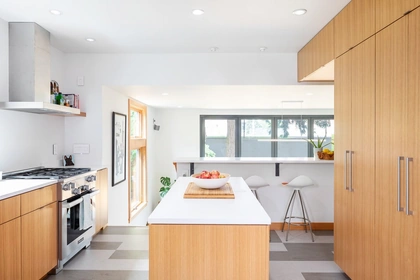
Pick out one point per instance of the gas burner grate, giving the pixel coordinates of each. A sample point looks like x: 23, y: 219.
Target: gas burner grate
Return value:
x: 53, y: 173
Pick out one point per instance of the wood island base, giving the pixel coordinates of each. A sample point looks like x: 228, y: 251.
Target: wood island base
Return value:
x: 208, y: 252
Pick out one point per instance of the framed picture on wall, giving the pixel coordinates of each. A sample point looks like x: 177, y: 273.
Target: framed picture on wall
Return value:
x: 119, y: 124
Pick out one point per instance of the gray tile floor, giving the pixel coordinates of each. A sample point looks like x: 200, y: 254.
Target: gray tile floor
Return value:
x: 122, y: 253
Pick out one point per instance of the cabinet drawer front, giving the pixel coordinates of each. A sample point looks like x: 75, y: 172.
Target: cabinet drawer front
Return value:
x: 33, y: 200
x: 9, y: 209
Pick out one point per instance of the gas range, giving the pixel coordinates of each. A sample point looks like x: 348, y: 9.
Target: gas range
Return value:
x: 71, y: 181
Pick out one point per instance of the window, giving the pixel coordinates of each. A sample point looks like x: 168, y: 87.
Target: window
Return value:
x: 137, y: 199
x: 263, y: 136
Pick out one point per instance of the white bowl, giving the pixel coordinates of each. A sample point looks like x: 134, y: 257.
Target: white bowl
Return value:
x: 210, y: 183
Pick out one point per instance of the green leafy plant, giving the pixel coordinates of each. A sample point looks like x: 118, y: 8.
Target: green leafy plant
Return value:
x: 319, y: 143
x: 166, y: 182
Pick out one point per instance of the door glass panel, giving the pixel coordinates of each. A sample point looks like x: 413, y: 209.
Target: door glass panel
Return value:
x: 219, y: 138
x: 256, y: 138
x: 292, y: 135
x: 135, y: 178
x: 135, y: 121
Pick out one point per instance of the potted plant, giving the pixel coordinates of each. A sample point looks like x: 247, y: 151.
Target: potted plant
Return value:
x: 166, y: 182
x: 318, y: 145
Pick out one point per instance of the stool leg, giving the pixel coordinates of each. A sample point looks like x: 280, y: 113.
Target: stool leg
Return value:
x: 290, y: 217
x: 287, y: 210
x: 309, y: 221
x: 303, y: 211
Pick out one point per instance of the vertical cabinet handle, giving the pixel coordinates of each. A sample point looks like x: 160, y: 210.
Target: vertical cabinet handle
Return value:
x: 351, y: 171
x: 345, y: 169
x: 399, y: 208
x: 407, y: 187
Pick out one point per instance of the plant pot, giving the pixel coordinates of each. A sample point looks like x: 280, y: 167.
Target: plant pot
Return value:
x: 316, y: 150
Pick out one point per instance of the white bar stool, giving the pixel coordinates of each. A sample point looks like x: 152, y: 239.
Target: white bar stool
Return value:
x: 255, y: 182
x: 297, y: 184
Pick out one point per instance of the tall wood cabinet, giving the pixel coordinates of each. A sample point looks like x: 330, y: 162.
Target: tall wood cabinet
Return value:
x: 354, y: 160
x: 387, y: 11
x: 101, y: 200
x: 397, y: 149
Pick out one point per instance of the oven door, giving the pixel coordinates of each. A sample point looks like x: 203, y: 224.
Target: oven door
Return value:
x: 77, y: 223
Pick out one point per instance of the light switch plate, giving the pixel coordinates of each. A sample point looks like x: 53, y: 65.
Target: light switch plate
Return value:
x: 81, y: 148
x: 55, y: 149
x: 80, y: 80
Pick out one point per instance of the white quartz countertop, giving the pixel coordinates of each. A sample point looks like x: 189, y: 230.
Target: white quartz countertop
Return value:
x: 243, y: 209
x: 310, y: 160
x: 12, y: 187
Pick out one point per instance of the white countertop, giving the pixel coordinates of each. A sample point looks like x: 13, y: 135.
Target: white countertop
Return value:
x: 243, y: 209
x: 310, y: 160
x: 12, y: 187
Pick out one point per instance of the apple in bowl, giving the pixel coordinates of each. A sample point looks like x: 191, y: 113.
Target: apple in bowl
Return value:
x: 210, y: 179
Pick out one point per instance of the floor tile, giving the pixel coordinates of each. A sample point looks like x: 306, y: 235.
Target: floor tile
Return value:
x: 274, y: 237
x: 125, y: 230
x: 300, y: 236
x: 130, y: 254
x: 325, y: 276
x: 96, y: 245
x: 323, y: 232
x: 284, y: 271
x: 304, y: 252
x: 317, y: 266
x: 277, y: 247
x: 128, y: 242
x: 100, y: 275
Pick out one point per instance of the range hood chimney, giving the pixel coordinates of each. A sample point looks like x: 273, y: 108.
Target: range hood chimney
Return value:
x: 29, y: 71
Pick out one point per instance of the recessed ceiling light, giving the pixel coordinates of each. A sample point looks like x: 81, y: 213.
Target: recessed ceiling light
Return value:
x: 55, y: 12
x: 214, y: 49
x: 179, y: 106
x: 263, y: 49
x: 90, y: 39
x: 299, y: 12
x: 197, y: 12
x: 309, y: 93
x: 165, y: 93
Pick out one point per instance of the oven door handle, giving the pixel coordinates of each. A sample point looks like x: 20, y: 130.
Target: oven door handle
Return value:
x: 94, y: 193
x: 73, y: 203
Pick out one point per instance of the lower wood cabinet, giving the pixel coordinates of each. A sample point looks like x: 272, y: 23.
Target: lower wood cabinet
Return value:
x: 101, y: 200
x: 10, y: 250
x: 39, y: 242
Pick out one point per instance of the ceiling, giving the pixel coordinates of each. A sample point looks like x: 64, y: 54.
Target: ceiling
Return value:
x: 168, y: 26
x: 238, y: 97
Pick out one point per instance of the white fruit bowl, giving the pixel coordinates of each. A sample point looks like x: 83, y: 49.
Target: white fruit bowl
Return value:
x: 210, y: 183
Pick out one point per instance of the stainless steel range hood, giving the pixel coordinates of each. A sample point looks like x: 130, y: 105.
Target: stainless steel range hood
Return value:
x: 29, y: 71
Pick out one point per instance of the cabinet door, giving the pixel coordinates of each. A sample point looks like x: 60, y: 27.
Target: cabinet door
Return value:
x: 391, y: 89
x: 39, y: 242
x: 363, y: 19
x: 10, y: 250
x: 387, y: 11
x: 101, y: 200
x: 342, y: 31
x: 363, y: 159
x: 342, y: 142
x: 412, y: 223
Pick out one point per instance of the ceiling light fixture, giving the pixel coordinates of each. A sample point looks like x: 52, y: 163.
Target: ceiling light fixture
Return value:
x: 309, y: 93
x: 197, y: 12
x: 299, y: 12
x: 165, y: 93
x: 263, y: 49
x: 90, y: 39
x: 55, y: 12
x: 214, y: 49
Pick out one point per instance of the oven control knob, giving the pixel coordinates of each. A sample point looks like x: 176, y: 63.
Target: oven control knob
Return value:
x: 75, y: 191
x: 84, y: 188
x: 72, y: 185
x: 91, y: 178
x: 66, y: 187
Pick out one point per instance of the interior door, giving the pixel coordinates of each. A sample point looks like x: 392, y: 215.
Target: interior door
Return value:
x: 342, y: 143
x: 363, y: 159
x: 391, y: 89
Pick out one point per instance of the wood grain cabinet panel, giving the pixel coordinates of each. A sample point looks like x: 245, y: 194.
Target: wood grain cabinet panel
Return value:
x: 388, y: 11
x: 9, y: 208
x: 343, y: 24
x: 39, y: 242
x: 38, y: 198
x: 354, y: 178
x: 10, y: 250
x: 101, y: 200
x: 363, y: 19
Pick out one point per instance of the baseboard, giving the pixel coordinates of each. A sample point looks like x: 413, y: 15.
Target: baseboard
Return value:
x: 315, y: 226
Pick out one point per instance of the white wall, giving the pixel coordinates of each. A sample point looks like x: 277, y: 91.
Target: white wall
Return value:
x: 25, y: 139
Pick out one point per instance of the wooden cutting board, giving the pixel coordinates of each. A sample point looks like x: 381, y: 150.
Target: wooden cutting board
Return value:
x: 194, y: 191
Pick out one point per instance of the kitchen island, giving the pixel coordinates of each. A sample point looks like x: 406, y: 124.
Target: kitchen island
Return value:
x: 209, y: 238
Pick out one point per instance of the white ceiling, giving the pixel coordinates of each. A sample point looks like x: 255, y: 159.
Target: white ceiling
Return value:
x: 168, y: 26
x: 239, y: 97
